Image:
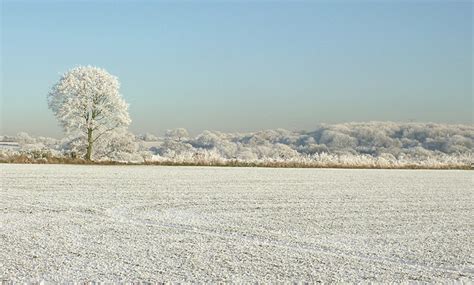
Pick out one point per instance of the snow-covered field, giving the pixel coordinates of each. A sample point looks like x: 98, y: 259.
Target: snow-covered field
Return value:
x: 150, y: 223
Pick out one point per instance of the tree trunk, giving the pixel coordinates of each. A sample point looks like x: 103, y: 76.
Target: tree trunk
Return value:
x: 89, y: 144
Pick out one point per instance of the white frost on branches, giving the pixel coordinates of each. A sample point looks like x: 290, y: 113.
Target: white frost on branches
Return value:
x: 89, y: 107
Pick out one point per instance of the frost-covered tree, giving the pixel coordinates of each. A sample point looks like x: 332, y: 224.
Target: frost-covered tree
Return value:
x: 148, y: 137
x: 24, y: 138
x: 177, y: 134
x: 88, y: 105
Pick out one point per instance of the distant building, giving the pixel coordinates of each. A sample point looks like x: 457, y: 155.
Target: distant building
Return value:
x: 9, y: 145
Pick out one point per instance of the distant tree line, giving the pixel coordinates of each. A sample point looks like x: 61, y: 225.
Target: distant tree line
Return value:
x: 385, y: 142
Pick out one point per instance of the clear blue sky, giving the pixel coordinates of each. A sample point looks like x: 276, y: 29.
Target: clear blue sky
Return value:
x: 244, y: 65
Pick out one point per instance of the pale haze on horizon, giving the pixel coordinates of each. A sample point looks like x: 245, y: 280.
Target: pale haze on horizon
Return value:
x: 243, y: 66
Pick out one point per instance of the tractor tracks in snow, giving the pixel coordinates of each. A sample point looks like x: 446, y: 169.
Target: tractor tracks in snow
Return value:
x: 121, y: 214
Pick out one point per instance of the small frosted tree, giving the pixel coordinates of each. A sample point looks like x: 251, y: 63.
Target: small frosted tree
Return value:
x: 88, y: 105
x: 177, y: 134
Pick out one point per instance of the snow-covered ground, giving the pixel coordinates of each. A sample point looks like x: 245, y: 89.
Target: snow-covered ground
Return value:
x: 150, y: 223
